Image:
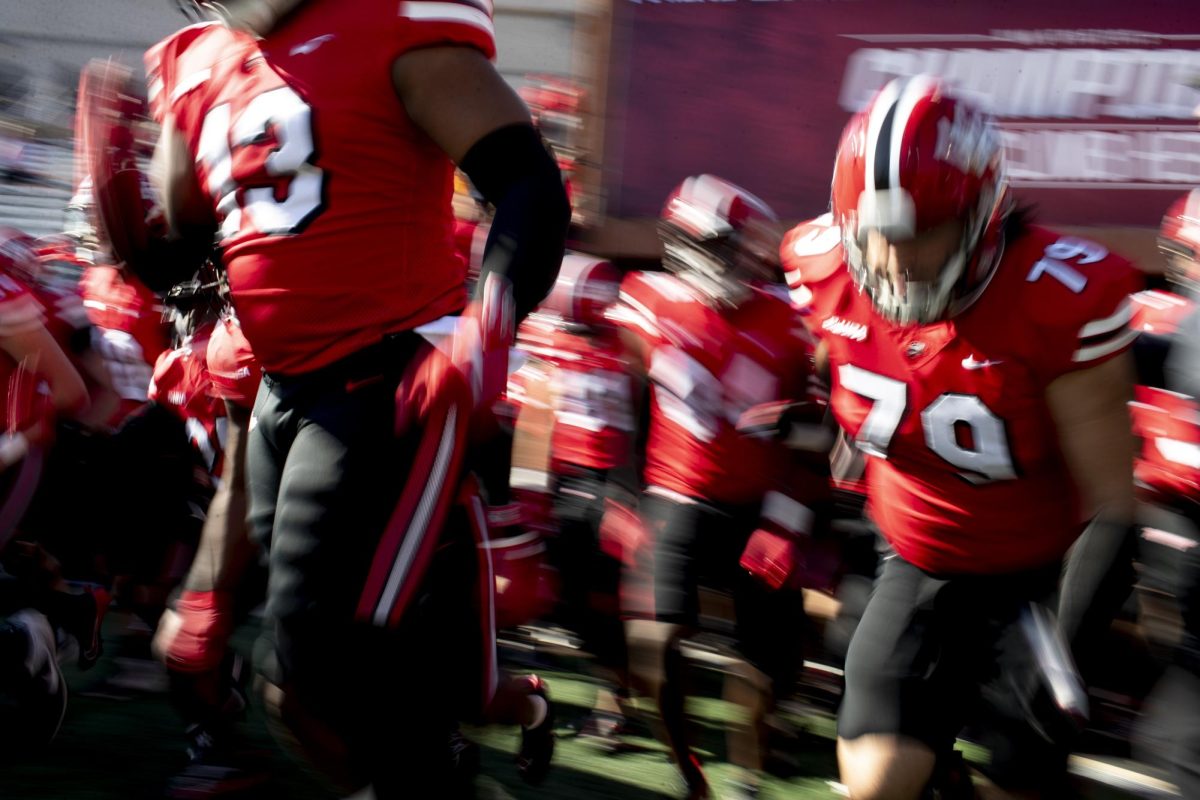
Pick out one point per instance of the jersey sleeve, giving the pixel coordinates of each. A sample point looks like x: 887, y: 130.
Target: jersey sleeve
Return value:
x: 429, y: 23
x: 172, y: 69
x: 637, y: 310
x: 19, y: 311
x: 1084, y: 308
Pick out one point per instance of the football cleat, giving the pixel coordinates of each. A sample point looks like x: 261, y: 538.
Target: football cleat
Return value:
x: 537, y: 743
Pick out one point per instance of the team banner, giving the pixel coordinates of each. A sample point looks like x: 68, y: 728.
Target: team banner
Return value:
x: 1095, y: 100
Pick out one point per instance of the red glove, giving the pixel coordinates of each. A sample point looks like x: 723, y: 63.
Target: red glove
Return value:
x: 622, y: 532
x: 774, y: 553
x: 537, y: 509
x: 479, y: 345
x: 192, y: 637
x: 473, y: 360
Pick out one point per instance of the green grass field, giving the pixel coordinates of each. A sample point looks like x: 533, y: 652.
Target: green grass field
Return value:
x: 125, y: 749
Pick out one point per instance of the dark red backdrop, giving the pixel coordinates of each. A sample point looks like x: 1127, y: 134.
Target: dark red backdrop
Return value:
x: 752, y: 91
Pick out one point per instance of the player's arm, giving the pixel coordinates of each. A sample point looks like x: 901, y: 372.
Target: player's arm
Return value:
x: 1091, y: 413
x: 34, y: 342
x: 191, y: 223
x: 456, y: 96
x: 105, y: 400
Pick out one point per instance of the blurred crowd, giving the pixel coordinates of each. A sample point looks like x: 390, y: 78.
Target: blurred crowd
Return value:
x: 919, y: 443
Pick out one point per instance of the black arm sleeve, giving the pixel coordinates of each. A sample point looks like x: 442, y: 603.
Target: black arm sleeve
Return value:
x: 512, y: 168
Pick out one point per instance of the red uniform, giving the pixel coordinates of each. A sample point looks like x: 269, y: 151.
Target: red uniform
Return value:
x: 127, y: 331
x: 964, y: 471
x: 232, y: 368
x: 322, y: 264
x: 1168, y: 423
x: 590, y: 391
x: 19, y: 312
x: 181, y: 385
x: 706, y: 368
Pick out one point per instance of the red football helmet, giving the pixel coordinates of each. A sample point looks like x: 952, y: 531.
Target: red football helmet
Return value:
x: 1179, y: 239
x: 717, y: 236
x: 915, y: 158
x: 585, y: 287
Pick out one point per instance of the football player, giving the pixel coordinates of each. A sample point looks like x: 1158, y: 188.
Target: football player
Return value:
x: 980, y: 362
x: 1167, y: 419
x: 317, y: 141
x: 574, y: 396
x: 714, y: 338
x: 212, y: 379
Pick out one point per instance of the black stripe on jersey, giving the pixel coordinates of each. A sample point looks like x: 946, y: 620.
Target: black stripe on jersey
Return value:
x: 1101, y: 338
x: 883, y: 149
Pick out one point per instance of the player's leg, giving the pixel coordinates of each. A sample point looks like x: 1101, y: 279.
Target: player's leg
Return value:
x: 771, y: 629
x: 656, y: 663
x: 891, y: 724
x: 350, y: 542
x: 206, y: 679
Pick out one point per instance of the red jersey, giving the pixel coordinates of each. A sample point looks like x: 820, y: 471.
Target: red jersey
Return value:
x: 706, y: 367
x: 20, y: 312
x: 232, y: 367
x: 336, y: 225
x: 590, y: 393
x: 181, y: 385
x: 1167, y: 422
x: 127, y: 330
x: 964, y: 471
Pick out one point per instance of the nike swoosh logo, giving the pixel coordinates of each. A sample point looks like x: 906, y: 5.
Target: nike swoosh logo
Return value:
x: 970, y: 363
x: 304, y: 48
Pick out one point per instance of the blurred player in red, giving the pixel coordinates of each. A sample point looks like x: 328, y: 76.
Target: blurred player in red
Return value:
x: 714, y: 338
x: 40, y: 384
x: 1166, y: 417
x: 128, y: 332
x: 212, y: 379
x: 317, y: 141
x: 981, y: 364
x: 577, y: 383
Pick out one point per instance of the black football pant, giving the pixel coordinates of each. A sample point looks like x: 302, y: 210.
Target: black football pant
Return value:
x: 325, y: 472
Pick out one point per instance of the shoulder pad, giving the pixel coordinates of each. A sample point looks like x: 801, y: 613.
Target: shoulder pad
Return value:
x: 1077, y: 294
x: 811, y: 251
x: 1159, y: 312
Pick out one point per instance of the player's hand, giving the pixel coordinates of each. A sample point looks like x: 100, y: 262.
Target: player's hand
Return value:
x: 622, y: 533
x: 775, y: 552
x: 482, y: 338
x: 773, y: 557
x: 537, y: 509
x: 192, y: 637
x: 468, y: 370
